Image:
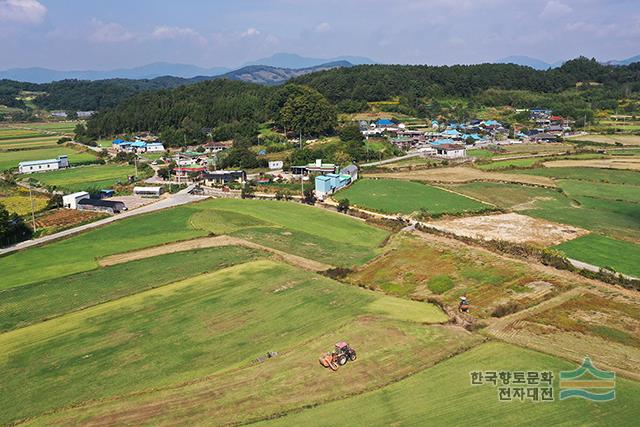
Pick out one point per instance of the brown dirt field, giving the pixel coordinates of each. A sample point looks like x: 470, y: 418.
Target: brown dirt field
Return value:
x: 67, y: 218
x: 210, y: 242
x: 458, y: 175
x: 609, y: 139
x: 630, y: 163
x: 510, y: 227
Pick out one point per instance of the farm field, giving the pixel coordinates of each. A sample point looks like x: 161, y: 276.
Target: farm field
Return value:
x: 593, y: 205
x: 542, y: 148
x: 28, y: 143
x: 394, y: 196
x: 453, y: 270
x: 585, y: 174
x: 83, y: 177
x: 603, y: 324
x: 324, y: 236
x: 61, y: 219
x: 630, y: 163
x: 529, y: 162
x: 455, y: 175
x: 408, y: 163
x: 602, y: 251
x: 17, y: 200
x: 211, y: 323
x: 608, y: 139
x: 442, y: 394
x: 10, y: 159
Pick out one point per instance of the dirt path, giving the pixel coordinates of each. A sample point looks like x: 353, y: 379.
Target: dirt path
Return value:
x: 211, y: 242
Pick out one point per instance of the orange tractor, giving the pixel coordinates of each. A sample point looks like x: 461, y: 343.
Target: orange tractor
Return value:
x: 338, y: 357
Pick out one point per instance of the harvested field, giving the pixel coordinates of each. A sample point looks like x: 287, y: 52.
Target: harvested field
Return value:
x: 210, y: 242
x: 510, y: 227
x: 66, y: 218
x: 630, y: 163
x: 604, y: 325
x: 609, y: 139
x: 458, y: 175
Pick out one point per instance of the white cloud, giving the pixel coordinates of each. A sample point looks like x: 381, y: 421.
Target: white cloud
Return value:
x: 250, y: 32
x: 554, y: 9
x: 165, y: 32
x: 22, y: 11
x: 323, y: 27
x: 110, y: 32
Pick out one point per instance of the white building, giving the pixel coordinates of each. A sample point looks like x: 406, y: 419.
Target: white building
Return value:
x: 276, y: 165
x: 147, y: 191
x: 155, y: 147
x: 70, y: 201
x: 43, y: 165
x: 451, y: 151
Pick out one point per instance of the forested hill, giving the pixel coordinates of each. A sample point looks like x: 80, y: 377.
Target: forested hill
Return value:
x: 382, y: 82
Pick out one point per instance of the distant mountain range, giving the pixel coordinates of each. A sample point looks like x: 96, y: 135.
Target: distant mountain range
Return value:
x: 286, y: 61
x: 46, y: 75
x: 293, y: 61
x: 269, y: 75
x: 539, y: 64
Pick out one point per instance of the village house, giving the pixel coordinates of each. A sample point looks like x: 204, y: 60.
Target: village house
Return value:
x: 451, y: 151
x: 317, y: 168
x: 328, y: 184
x: 43, y: 165
x: 276, y: 164
x: 223, y: 177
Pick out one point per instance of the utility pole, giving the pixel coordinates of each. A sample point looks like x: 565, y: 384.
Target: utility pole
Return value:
x: 33, y: 213
x: 135, y: 161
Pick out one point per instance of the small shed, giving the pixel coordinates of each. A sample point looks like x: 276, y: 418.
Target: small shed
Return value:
x: 70, y: 201
x: 147, y: 191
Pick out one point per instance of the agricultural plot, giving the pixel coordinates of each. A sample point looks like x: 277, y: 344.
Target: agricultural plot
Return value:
x: 608, y: 139
x: 62, y: 219
x: 423, y: 268
x: 456, y: 175
x: 601, y: 323
x: 12, y: 133
x: 84, y: 177
x: 531, y: 161
x: 443, y: 394
x: 16, y: 199
x: 316, y: 234
x: 393, y: 196
x: 206, y: 326
x: 630, y: 163
x: 10, y: 159
x: 28, y: 143
x: 602, y: 251
x: 611, y: 176
x: 506, y: 195
x: 510, y: 227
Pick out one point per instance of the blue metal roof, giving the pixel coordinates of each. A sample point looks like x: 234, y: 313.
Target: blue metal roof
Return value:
x: 443, y: 141
x: 384, y: 122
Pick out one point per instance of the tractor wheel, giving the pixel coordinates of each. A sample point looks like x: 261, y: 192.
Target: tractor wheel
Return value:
x: 342, y: 360
x: 353, y: 356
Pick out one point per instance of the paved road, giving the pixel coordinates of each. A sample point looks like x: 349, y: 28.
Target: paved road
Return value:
x: 180, y: 198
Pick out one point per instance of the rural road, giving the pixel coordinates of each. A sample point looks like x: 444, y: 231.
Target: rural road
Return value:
x: 180, y: 198
x: 395, y: 159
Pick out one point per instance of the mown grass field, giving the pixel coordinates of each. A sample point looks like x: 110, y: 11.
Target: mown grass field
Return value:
x: 197, y: 327
x: 83, y: 177
x: 55, y: 297
x: 395, y: 196
x: 443, y: 395
x: 293, y: 228
x: 586, y: 174
x: 603, y: 251
x: 10, y: 159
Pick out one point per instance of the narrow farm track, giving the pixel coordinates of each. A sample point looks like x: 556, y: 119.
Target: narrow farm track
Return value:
x: 212, y: 242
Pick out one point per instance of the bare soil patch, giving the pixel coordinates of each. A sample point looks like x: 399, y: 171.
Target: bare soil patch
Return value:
x: 65, y: 218
x: 510, y: 227
x: 632, y: 163
x: 458, y: 175
x: 210, y: 242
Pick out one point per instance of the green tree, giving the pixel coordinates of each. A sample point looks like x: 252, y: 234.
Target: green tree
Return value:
x: 343, y: 205
x: 308, y: 112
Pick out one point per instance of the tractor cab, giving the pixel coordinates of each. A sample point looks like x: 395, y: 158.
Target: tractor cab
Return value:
x: 464, y: 305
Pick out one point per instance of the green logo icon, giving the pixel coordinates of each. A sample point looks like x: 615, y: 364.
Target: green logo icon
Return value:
x: 588, y: 382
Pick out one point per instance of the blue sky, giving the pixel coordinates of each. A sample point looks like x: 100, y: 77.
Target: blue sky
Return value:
x: 93, y: 34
